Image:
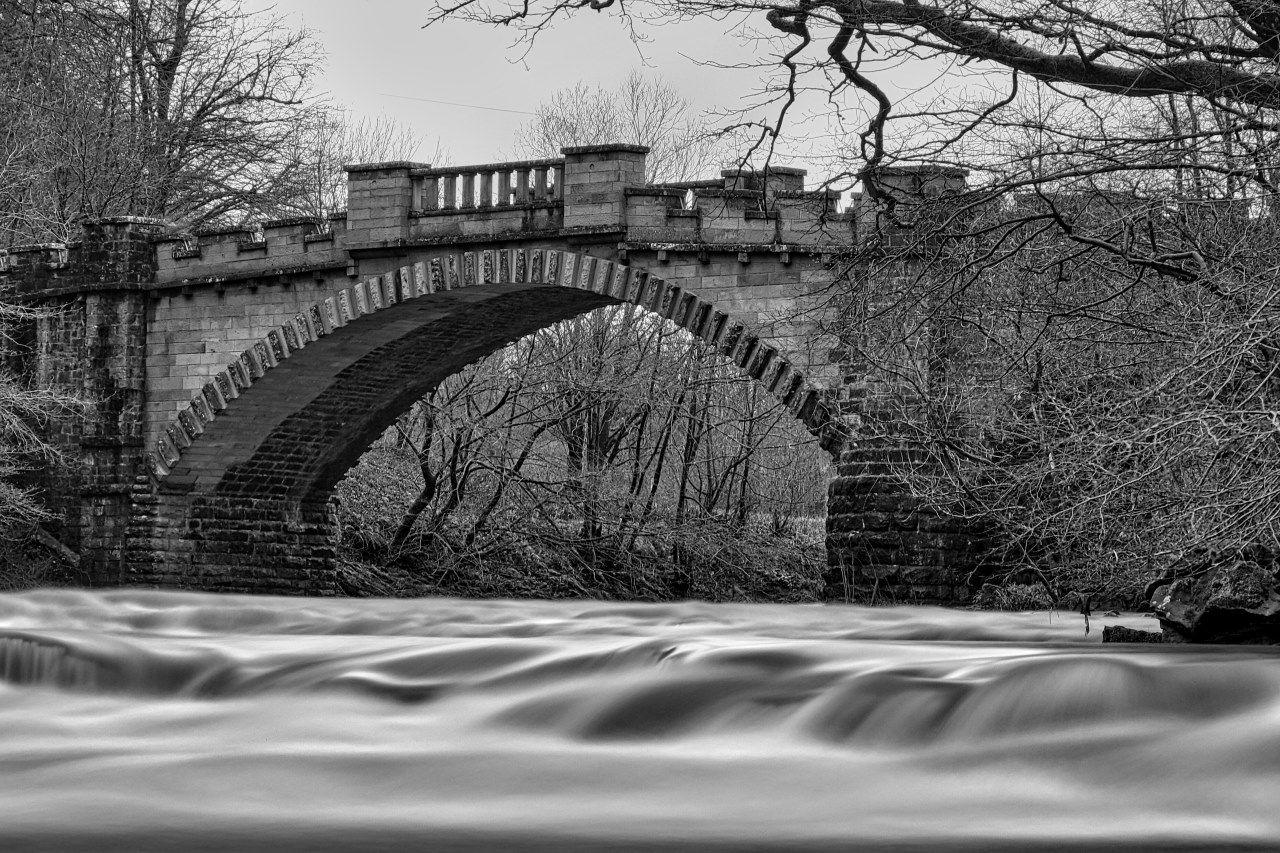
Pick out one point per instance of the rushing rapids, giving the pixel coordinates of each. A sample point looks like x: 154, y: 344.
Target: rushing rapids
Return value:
x: 156, y: 721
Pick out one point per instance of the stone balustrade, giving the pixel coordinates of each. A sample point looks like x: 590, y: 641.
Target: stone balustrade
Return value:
x: 492, y: 185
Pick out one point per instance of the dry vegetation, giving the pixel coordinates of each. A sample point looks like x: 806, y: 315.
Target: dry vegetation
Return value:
x: 610, y: 456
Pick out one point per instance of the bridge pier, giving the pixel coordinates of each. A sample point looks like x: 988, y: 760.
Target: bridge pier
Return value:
x: 882, y: 546
x: 221, y: 543
x: 89, y: 343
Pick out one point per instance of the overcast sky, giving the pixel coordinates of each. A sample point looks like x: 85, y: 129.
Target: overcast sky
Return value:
x: 378, y: 50
x: 380, y: 57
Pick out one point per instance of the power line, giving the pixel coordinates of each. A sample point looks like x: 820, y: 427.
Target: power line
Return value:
x: 455, y: 104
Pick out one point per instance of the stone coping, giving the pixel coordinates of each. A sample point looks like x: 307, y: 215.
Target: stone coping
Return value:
x: 656, y: 190
x: 607, y: 148
x: 246, y: 275
x: 722, y: 192
x: 710, y: 183
x: 905, y: 171
x: 436, y: 240
x: 735, y: 248
x: 291, y: 221
x: 509, y: 166
x: 387, y: 166
x: 223, y: 232
x: 34, y: 247
x: 789, y: 171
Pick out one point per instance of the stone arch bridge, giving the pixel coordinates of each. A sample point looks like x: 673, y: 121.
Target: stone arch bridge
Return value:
x: 235, y: 376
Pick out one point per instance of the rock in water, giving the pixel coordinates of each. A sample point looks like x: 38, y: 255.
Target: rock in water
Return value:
x: 1223, y: 597
x: 1121, y: 634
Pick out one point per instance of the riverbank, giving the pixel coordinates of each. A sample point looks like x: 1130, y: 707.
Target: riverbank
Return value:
x: 751, y: 567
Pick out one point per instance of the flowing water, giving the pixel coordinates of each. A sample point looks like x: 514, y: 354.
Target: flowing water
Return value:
x: 158, y: 721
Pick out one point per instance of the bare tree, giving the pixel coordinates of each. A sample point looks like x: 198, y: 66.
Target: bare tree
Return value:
x: 1083, y: 344
x: 332, y: 138
x: 183, y: 109
x: 25, y: 413
x: 561, y: 458
x: 642, y: 110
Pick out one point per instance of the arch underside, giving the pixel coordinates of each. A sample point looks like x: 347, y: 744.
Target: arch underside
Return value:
x: 307, y: 422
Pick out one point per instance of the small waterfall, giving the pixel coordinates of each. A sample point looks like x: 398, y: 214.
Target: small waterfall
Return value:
x: 32, y: 661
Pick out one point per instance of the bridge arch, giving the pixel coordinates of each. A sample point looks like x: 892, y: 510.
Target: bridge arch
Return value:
x: 243, y: 475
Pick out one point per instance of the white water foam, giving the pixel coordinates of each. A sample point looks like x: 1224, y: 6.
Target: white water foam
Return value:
x: 147, y: 720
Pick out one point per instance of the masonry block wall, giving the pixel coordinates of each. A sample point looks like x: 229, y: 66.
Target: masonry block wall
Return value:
x: 782, y: 296
x: 150, y: 318
x: 90, y: 345
x: 595, y: 177
x: 193, y: 334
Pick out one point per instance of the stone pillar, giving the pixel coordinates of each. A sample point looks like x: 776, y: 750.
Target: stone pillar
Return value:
x: 379, y: 200
x: 90, y: 343
x: 881, y: 545
x: 594, y: 179
x: 913, y: 192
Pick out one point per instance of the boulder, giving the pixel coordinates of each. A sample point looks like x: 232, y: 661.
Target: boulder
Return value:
x: 1121, y: 634
x: 1223, y: 597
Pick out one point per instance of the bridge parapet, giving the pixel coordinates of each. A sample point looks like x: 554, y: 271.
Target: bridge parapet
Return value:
x: 490, y: 199
x: 916, y: 193
x: 741, y: 207
x: 493, y: 185
x: 593, y: 193
x: 276, y: 247
x: 698, y: 213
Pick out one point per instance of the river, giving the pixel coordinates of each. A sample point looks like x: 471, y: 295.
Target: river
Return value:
x: 174, y: 721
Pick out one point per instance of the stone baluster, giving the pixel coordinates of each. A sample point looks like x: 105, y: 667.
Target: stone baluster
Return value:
x: 486, y: 188
x: 450, y: 192
x: 539, y: 183
x: 430, y: 193
x: 522, y: 186
x: 468, y: 200
x: 556, y: 190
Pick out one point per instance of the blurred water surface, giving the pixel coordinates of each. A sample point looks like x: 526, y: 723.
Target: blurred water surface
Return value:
x: 158, y: 721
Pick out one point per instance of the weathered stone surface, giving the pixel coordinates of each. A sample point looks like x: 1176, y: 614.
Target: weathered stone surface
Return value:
x: 1224, y: 597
